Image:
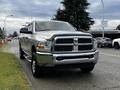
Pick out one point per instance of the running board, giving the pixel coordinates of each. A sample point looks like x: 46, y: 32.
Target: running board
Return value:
x: 27, y: 58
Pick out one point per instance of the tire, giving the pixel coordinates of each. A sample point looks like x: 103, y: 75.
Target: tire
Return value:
x: 116, y: 45
x: 35, y: 67
x: 87, y: 69
x: 21, y: 53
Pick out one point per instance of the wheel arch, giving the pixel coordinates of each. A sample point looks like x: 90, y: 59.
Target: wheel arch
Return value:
x: 116, y: 42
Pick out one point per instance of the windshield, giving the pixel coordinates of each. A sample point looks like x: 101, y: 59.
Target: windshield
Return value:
x: 43, y: 26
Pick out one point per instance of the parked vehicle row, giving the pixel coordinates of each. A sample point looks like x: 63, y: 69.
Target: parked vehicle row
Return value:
x: 107, y: 42
x: 104, y: 42
x: 9, y: 38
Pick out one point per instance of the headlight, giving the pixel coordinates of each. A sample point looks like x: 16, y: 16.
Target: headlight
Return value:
x: 48, y: 44
x: 95, y: 44
x: 44, y: 46
x: 40, y: 46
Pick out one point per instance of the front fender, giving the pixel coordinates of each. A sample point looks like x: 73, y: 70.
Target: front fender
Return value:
x: 116, y: 40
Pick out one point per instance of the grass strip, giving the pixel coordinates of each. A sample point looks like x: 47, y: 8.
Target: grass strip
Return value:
x: 11, y: 74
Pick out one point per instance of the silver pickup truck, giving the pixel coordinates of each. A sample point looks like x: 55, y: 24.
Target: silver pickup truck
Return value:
x: 56, y: 44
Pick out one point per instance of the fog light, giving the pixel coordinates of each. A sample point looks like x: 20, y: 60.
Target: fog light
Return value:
x: 59, y: 58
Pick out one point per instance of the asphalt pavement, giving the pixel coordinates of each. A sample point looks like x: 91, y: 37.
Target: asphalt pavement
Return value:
x: 105, y: 76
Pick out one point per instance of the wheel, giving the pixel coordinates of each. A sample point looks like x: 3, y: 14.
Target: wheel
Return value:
x: 116, y: 45
x: 87, y: 69
x: 36, y: 70
x: 21, y: 53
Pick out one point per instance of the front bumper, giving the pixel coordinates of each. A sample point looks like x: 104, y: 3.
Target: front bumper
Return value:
x: 48, y: 59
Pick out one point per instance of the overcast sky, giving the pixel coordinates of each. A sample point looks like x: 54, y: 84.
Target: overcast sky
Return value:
x: 25, y: 10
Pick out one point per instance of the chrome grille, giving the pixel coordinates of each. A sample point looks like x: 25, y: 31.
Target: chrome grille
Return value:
x: 73, y: 43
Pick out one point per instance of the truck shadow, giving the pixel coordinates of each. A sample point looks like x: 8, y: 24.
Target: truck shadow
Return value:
x: 66, y: 73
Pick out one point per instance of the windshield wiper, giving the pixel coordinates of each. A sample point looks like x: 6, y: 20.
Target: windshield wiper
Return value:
x: 43, y: 29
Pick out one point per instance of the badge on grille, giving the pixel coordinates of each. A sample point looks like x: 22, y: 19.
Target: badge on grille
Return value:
x: 76, y: 41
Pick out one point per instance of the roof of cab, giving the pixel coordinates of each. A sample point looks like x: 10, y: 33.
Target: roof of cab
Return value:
x: 49, y: 21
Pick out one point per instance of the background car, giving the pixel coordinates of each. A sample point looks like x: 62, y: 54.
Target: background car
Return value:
x: 9, y: 38
x: 116, y: 43
x: 103, y: 42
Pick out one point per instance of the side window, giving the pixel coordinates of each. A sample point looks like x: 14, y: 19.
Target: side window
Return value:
x: 30, y: 27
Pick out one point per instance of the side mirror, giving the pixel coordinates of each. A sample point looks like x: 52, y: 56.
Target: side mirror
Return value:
x: 25, y: 30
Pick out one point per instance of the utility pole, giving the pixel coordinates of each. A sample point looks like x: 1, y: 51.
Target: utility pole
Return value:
x: 103, y: 20
x: 5, y: 23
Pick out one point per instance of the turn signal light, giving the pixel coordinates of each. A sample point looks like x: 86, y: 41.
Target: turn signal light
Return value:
x: 40, y: 46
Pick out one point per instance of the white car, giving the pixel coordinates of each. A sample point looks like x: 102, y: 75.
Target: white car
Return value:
x: 116, y: 43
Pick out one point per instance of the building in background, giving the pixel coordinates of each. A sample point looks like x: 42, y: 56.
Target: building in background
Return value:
x: 113, y: 34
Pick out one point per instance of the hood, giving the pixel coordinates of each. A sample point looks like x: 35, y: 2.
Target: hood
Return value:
x: 52, y: 34
x: 118, y: 39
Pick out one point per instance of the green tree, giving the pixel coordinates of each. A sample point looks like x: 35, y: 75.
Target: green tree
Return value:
x: 75, y: 13
x: 2, y: 34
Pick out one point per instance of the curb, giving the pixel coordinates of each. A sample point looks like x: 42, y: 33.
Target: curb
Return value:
x: 30, y: 84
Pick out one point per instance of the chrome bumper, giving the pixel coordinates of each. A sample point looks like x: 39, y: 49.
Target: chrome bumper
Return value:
x: 49, y: 59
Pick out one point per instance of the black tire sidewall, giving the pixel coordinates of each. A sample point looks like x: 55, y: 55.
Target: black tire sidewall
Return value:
x: 116, y: 46
x: 36, y: 72
x: 21, y: 53
x: 88, y: 68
